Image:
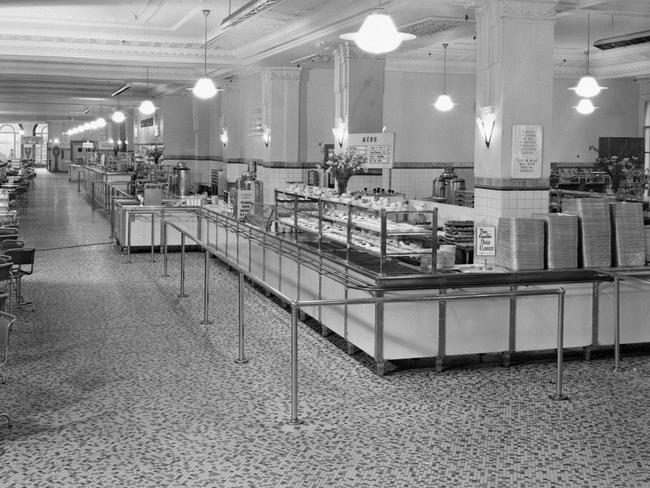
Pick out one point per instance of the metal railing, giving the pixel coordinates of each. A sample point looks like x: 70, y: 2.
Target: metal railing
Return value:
x: 380, y: 300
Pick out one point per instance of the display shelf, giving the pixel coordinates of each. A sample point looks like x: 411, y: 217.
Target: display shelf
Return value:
x: 387, y: 233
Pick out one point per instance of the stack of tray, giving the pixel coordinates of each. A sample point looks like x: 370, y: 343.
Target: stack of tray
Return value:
x: 647, y: 243
x: 595, y: 230
x: 520, y: 243
x: 561, y: 243
x: 628, y: 234
x: 459, y: 231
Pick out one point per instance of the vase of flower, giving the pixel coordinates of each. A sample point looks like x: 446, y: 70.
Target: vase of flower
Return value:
x: 343, y: 166
x: 619, y: 169
x: 342, y: 185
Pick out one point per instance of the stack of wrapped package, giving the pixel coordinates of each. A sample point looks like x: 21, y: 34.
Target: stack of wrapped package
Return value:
x: 561, y: 244
x: 629, y: 234
x: 520, y: 243
x: 595, y: 230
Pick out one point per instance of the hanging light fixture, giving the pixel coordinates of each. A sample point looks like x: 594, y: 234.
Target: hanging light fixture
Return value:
x: 378, y: 34
x: 444, y: 103
x: 585, y: 107
x: 118, y: 116
x: 204, y: 87
x: 147, y: 107
x: 587, y: 86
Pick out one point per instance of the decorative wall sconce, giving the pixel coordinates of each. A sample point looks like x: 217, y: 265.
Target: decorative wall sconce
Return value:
x: 486, y: 122
x: 339, y: 134
x: 224, y: 136
x: 266, y: 136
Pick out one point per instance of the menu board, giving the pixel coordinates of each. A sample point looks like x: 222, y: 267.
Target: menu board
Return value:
x: 378, y: 148
x: 526, y: 151
x: 485, y: 241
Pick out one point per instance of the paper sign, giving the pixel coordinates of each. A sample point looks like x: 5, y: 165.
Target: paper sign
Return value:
x: 244, y: 203
x: 485, y: 241
x: 526, y: 151
x: 377, y: 148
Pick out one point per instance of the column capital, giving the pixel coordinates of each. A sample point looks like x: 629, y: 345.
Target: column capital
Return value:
x: 521, y: 9
x: 281, y: 73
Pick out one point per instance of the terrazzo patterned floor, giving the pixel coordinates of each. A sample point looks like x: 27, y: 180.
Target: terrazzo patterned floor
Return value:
x: 113, y: 382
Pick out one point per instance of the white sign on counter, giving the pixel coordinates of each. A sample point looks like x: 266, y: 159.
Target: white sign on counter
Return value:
x: 526, y: 151
x: 377, y: 148
x: 486, y: 240
x: 244, y: 203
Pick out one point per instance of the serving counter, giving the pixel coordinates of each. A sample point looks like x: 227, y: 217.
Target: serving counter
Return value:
x: 304, y: 268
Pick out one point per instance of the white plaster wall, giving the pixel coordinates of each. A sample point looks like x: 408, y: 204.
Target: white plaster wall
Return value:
x: 616, y: 116
x: 423, y: 134
x: 316, y: 113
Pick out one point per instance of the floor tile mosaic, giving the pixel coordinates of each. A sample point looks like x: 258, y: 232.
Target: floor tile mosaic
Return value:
x: 114, y: 382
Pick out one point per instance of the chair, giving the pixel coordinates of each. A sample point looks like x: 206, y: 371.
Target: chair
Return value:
x: 11, y: 244
x: 6, y: 283
x: 23, y: 265
x: 6, y: 321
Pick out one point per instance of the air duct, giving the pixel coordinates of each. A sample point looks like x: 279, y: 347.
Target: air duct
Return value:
x: 622, y: 41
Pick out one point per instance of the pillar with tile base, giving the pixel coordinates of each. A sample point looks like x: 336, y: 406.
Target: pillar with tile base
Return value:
x: 514, y: 88
x: 280, y: 112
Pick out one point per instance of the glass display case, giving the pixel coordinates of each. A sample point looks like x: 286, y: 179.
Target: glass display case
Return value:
x: 388, y: 229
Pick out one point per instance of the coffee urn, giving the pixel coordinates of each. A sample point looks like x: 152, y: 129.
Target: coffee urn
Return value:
x: 182, y: 177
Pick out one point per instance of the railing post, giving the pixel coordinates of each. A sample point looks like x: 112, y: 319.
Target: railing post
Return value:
x: 617, y: 324
x: 128, y: 241
x: 78, y: 180
x: 112, y: 216
x: 294, y: 364
x: 559, y: 395
x: 242, y: 356
x: 163, y: 225
x: 153, y: 241
x: 92, y: 194
x: 206, y: 289
x: 182, y: 293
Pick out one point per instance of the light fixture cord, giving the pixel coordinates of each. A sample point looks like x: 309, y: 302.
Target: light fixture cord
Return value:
x: 444, y: 69
x: 587, y: 43
x: 205, y: 44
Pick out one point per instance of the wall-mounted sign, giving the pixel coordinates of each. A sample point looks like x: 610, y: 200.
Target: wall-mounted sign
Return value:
x: 378, y: 148
x: 526, y: 151
x: 31, y: 140
x: 485, y: 241
x: 88, y: 145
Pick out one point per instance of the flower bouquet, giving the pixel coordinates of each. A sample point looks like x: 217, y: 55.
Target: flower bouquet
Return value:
x: 343, y: 166
x: 618, y: 168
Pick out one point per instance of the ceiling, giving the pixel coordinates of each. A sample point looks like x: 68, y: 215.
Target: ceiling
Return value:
x: 60, y: 58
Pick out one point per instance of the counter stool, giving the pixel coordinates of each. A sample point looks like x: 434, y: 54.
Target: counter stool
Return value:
x: 6, y: 321
x: 23, y: 265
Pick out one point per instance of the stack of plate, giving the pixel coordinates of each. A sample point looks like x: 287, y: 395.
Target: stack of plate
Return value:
x: 459, y: 231
x: 520, y: 243
x: 561, y: 240
x: 595, y: 230
x: 629, y: 234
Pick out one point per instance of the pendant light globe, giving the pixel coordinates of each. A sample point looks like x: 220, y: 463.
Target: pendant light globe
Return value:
x: 378, y: 34
x: 147, y: 107
x: 204, y: 87
x: 587, y: 87
x: 585, y: 107
x: 444, y: 103
x: 118, y: 117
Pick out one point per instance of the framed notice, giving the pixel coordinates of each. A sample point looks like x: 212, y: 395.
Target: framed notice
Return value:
x: 378, y: 148
x: 526, y: 151
x: 485, y: 241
